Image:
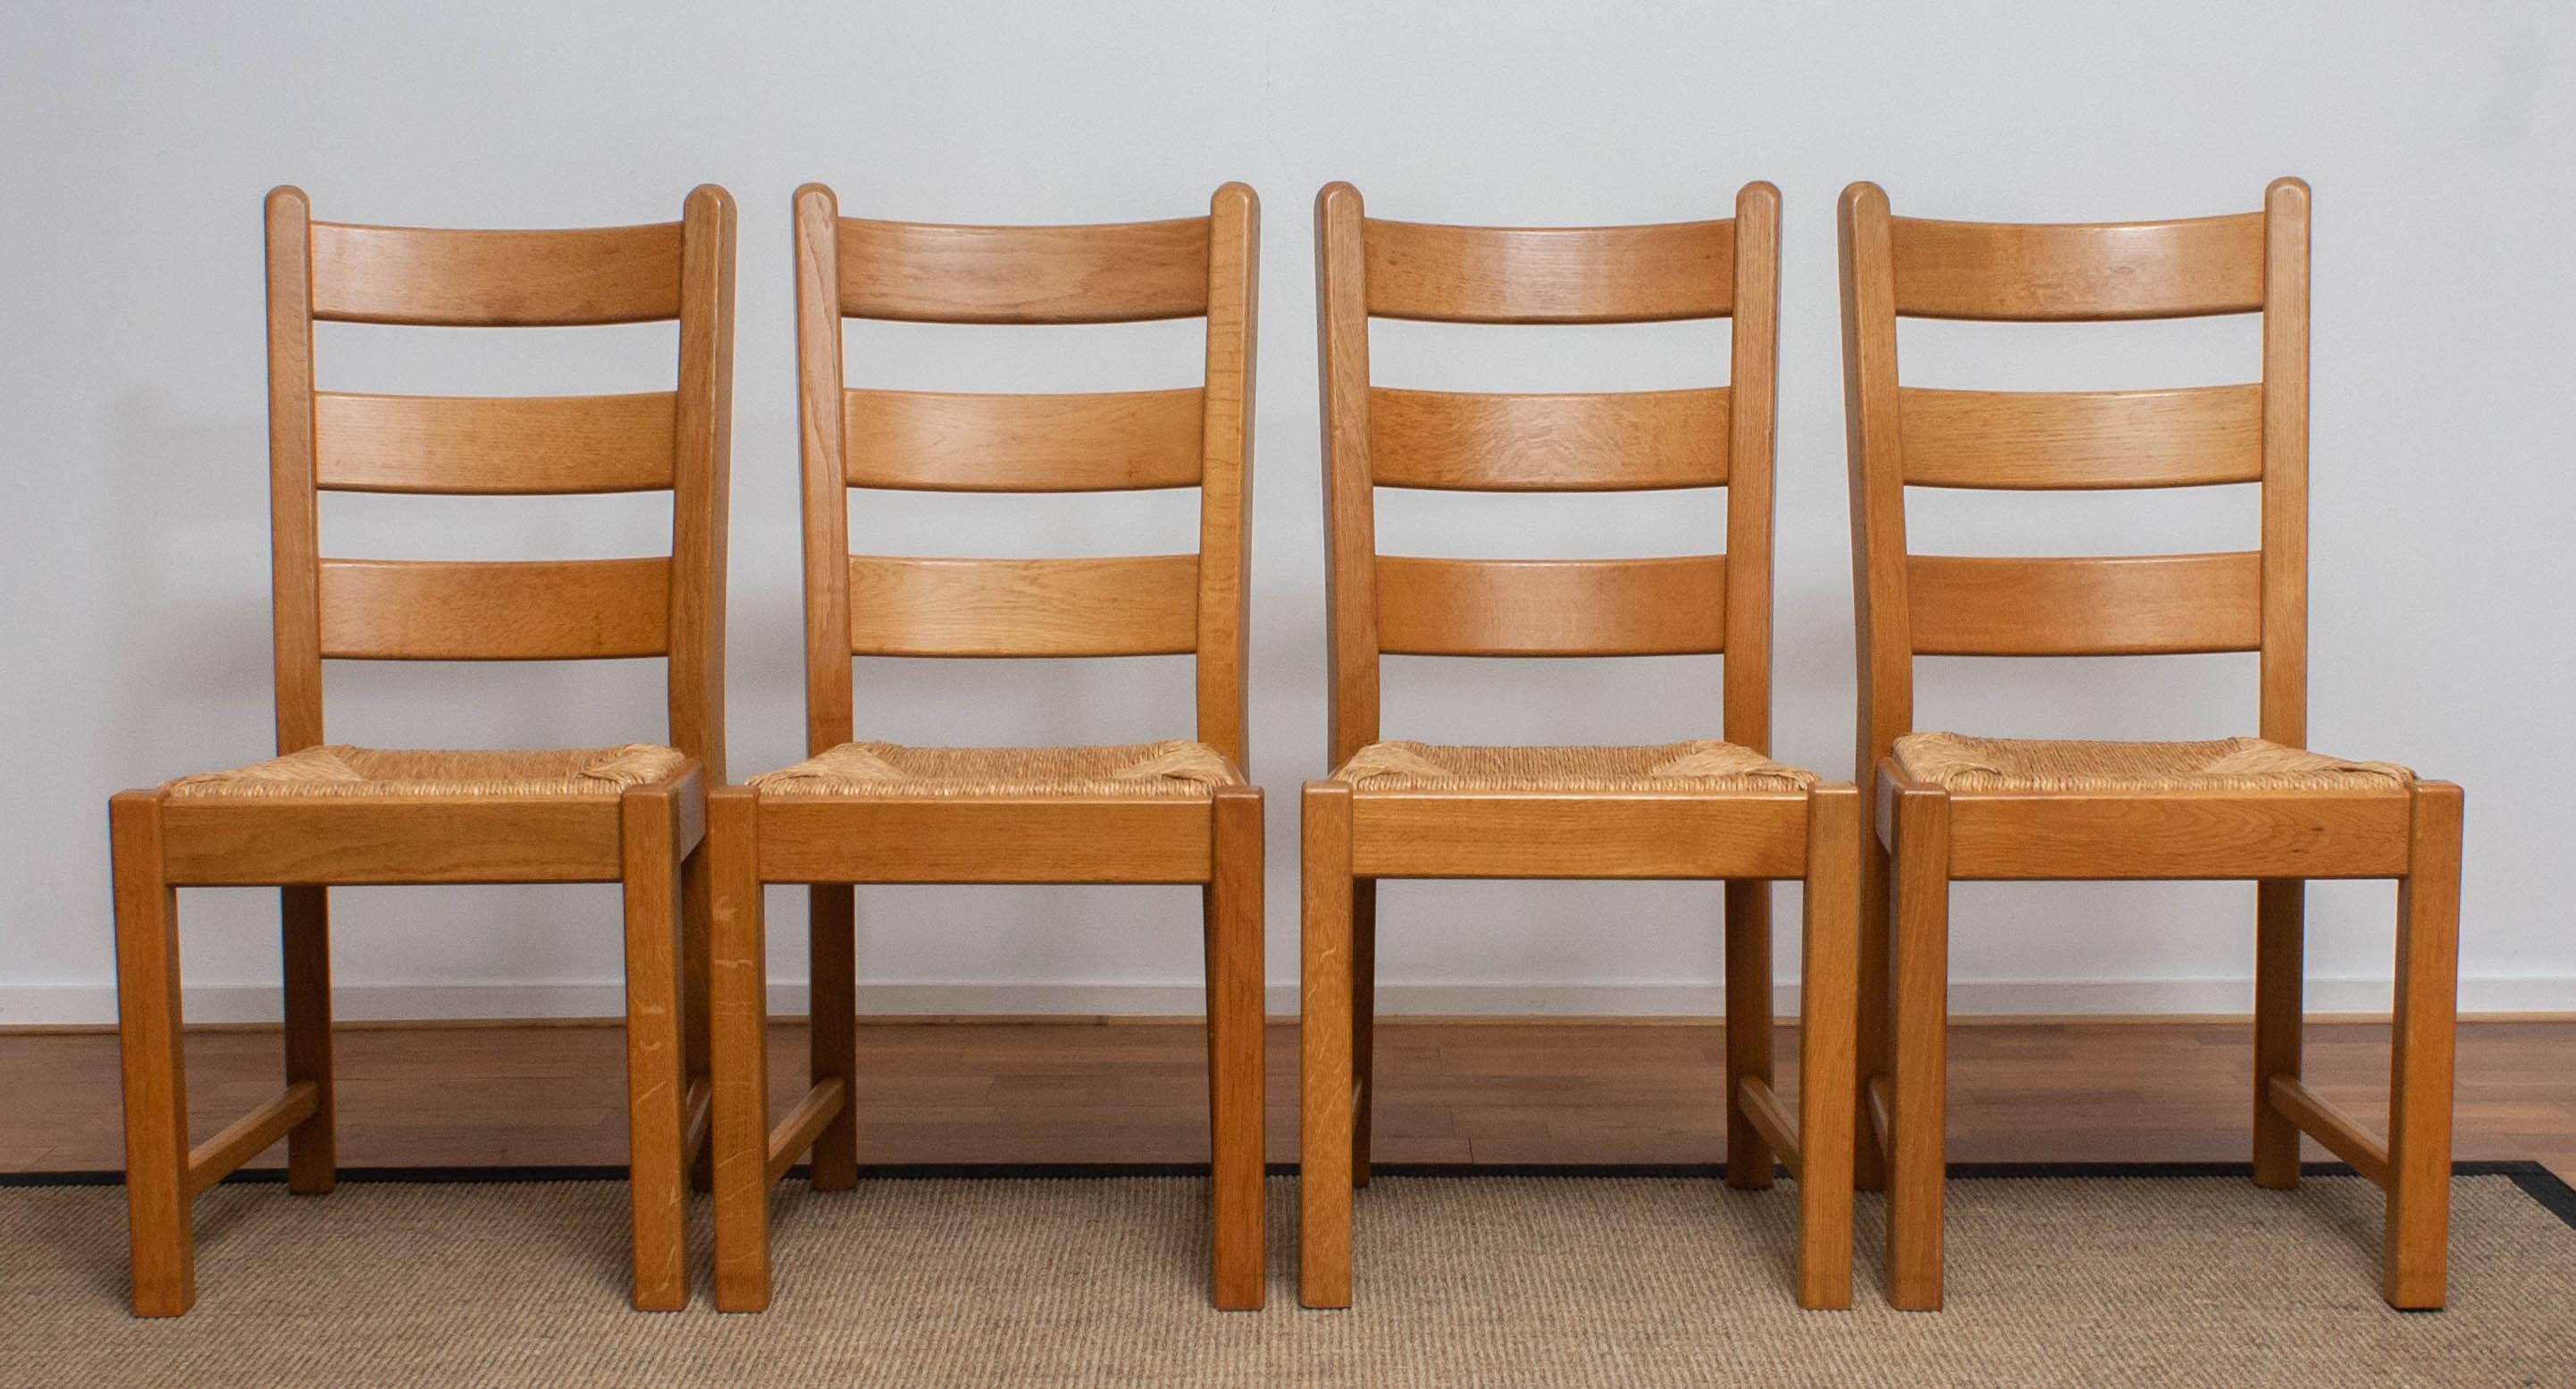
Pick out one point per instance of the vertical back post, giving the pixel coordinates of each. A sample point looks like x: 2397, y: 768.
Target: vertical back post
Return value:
x: 1877, y: 479
x: 295, y: 575
x: 828, y: 715
x: 701, y: 478
x: 1350, y: 521
x: 2285, y: 463
x: 1225, y: 484
x: 1752, y: 389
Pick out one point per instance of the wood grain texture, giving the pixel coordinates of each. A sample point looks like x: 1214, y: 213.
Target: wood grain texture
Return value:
x: 1224, y: 642
x: 294, y: 511
x: 1350, y: 498
x: 2414, y: 1259
x: 2280, y: 970
x: 1238, y: 1271
x: 1597, y: 442
x: 496, y: 279
x: 2113, y: 270
x: 1324, y: 1174
x: 1492, y: 607
x: 2198, y: 834
x: 2284, y: 674
x: 1918, y: 1087
x: 824, y: 470
x: 2337, y: 1132
x: 1637, y: 274
x: 1753, y: 397
x: 984, y: 839
x: 738, y: 979
x: 2094, y: 606
x: 2054, y: 440
x: 947, y: 442
x: 218, y: 1157
x: 492, y: 445
x: 494, y: 610
x: 1827, y: 1062
x: 1447, y: 834
x: 390, y: 840
x: 153, y: 1061
x: 1124, y: 606
x: 656, y: 1071
x: 1112, y: 273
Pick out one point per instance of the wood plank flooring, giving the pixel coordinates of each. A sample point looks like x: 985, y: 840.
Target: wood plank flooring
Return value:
x: 1449, y: 1091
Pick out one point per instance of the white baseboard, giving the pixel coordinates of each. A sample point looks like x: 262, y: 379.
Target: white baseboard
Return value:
x: 24, y: 1005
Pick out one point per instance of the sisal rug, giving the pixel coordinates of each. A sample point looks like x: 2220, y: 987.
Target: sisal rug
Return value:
x: 1633, y: 1280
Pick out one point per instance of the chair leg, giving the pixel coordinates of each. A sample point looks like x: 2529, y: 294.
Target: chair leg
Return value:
x: 656, y: 1078
x: 738, y: 1031
x: 312, y: 1147
x: 1828, y: 998
x: 1869, y: 1161
x: 1748, y: 1027
x: 832, y: 933
x: 1363, y: 1022
x: 155, y: 1064
x: 2280, y: 1015
x: 1324, y: 1044
x: 694, y: 911
x: 1920, y: 1042
x: 1235, y: 1009
x: 2413, y: 1268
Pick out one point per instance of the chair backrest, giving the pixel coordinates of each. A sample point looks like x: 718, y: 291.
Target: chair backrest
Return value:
x: 1713, y: 436
x: 677, y: 441
x: 1901, y: 436
x: 879, y: 605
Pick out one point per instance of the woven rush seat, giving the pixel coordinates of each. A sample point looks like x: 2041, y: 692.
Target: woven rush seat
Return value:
x: 1145, y: 770
x: 337, y: 770
x: 1696, y: 766
x: 1956, y: 762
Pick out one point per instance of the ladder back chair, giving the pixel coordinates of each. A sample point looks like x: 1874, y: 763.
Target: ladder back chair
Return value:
x: 1716, y: 809
x: 870, y: 812
x: 1948, y: 807
x: 322, y: 814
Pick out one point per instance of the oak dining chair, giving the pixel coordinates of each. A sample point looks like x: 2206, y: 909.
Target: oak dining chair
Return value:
x: 1701, y: 810
x: 1948, y: 807
x: 321, y: 814
x: 870, y: 812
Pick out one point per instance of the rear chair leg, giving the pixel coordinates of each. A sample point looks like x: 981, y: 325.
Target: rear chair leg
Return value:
x: 832, y: 1011
x: 155, y: 1066
x: 738, y: 1021
x: 312, y: 1146
x: 1324, y: 1043
x: 656, y: 1081
x: 693, y: 997
x: 2419, y: 1122
x: 1235, y: 1072
x: 1869, y: 1160
x: 2280, y: 964
x: 1828, y: 995
x: 1918, y: 1100
x: 1748, y: 1027
x: 1363, y: 1022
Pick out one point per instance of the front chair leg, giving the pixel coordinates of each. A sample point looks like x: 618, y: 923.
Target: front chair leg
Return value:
x: 2419, y: 1128
x: 1235, y: 1072
x: 1828, y: 1002
x: 656, y: 1070
x: 738, y: 1027
x: 155, y: 1064
x: 1918, y: 1100
x: 1324, y: 1045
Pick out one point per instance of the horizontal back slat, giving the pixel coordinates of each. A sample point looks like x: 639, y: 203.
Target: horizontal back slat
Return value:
x: 492, y: 444
x: 2099, y: 606
x: 1624, y: 441
x: 484, y: 610
x: 1995, y: 270
x: 1115, y: 273
x: 1126, y: 606
x: 2096, y: 439
x: 496, y: 279
x: 1640, y: 274
x: 1489, y: 607
x: 1023, y: 443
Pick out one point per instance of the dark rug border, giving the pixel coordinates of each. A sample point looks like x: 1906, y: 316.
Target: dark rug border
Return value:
x: 2536, y: 1181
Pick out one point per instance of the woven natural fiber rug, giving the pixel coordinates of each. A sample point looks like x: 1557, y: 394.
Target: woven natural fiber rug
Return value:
x: 1656, y: 1280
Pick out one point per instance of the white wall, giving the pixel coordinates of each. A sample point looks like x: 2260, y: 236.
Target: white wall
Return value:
x: 2440, y: 139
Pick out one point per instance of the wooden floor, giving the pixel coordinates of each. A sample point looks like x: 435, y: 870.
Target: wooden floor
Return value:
x: 1449, y: 1091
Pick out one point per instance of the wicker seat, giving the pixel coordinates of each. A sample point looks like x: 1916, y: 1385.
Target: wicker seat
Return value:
x: 1169, y: 769
x: 337, y: 770
x: 1695, y: 766
x: 1957, y: 762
